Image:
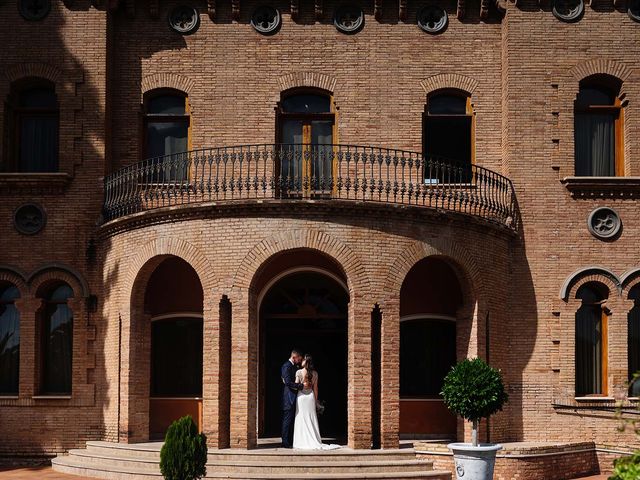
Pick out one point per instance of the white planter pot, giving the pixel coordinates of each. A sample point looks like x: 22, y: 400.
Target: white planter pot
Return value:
x: 474, y: 463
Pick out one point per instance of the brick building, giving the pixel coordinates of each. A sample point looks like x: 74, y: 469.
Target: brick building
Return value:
x: 489, y: 210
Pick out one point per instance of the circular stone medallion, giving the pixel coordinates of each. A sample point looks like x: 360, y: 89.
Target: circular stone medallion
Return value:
x: 349, y: 19
x: 29, y: 218
x: 604, y: 223
x: 184, y: 20
x: 266, y: 20
x: 432, y: 19
x: 568, y: 10
x: 34, y: 9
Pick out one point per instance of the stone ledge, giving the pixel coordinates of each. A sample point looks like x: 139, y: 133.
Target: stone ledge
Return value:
x: 34, y: 183
x: 623, y: 188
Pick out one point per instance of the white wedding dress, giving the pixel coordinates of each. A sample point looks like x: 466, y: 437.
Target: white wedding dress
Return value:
x: 306, y: 431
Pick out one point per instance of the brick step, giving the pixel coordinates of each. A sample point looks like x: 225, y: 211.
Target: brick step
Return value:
x: 152, y: 451
x: 252, y: 464
x: 77, y: 466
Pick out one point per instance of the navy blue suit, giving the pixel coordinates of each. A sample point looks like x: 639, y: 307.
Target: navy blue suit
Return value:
x: 289, y: 394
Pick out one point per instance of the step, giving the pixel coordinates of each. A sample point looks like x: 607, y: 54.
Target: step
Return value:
x: 239, y: 464
x: 71, y: 465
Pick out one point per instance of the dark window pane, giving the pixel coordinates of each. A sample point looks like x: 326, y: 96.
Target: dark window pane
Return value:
x: 449, y: 138
x: 57, y: 349
x: 427, y: 353
x: 594, y: 96
x: 447, y: 105
x: 61, y: 294
x: 176, y: 357
x: 166, y: 138
x: 306, y: 103
x: 9, y: 341
x: 38, y: 98
x: 38, y: 143
x: 166, y: 105
x: 595, y: 144
x: 589, y: 350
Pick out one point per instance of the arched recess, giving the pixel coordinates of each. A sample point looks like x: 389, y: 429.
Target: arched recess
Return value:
x: 293, y: 249
x: 165, y: 348
x: 302, y: 302
x: 431, y: 297
x: 172, y: 81
x: 587, y: 274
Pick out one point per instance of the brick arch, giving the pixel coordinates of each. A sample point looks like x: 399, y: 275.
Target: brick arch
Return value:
x: 41, y: 70
x: 628, y: 280
x: 589, y: 274
x: 464, y: 265
x: 449, y: 80
x: 296, y: 239
x: 162, y: 248
x: 14, y: 276
x: 307, y: 79
x: 601, y: 66
x: 59, y: 273
x: 166, y: 80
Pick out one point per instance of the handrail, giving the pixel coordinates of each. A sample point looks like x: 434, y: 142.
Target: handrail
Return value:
x: 300, y: 171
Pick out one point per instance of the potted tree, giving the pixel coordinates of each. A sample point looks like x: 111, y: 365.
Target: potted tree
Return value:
x: 474, y: 390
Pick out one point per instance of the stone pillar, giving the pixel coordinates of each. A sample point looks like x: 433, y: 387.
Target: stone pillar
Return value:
x: 359, y: 390
x: 390, y: 375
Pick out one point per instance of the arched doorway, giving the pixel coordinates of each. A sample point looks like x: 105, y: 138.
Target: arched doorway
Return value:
x: 305, y: 309
x: 173, y: 303
x: 429, y: 301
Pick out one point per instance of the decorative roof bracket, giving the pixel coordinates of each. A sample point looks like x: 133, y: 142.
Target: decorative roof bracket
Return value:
x: 460, y: 9
x: 501, y: 5
x: 211, y: 9
x: 130, y: 7
x: 295, y: 9
x: 402, y: 11
x: 154, y: 8
x: 235, y: 10
x: 377, y: 9
x: 484, y: 9
x: 319, y: 10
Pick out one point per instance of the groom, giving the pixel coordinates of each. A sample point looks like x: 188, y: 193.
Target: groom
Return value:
x: 289, y: 394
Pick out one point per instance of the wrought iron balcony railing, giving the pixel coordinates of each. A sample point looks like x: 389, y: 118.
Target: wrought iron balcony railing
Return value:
x: 296, y: 171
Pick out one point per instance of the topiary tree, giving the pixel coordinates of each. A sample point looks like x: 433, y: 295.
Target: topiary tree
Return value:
x: 474, y: 390
x: 184, y: 453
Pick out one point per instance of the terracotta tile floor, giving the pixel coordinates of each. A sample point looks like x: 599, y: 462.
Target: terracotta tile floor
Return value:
x: 41, y: 473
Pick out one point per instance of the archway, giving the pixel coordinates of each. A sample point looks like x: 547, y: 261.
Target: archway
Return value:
x: 173, y: 304
x: 304, y: 308
x: 430, y: 298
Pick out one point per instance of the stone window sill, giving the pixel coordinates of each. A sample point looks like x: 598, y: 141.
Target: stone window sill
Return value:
x: 594, y: 399
x: 603, y: 187
x: 51, y: 397
x: 38, y: 183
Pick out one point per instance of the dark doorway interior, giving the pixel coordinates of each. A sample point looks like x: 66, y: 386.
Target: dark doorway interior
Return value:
x: 307, y: 311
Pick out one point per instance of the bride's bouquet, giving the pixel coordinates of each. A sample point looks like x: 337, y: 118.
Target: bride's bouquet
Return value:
x: 319, y: 407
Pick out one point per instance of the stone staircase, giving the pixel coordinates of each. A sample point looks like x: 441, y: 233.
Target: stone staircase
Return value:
x: 141, y: 462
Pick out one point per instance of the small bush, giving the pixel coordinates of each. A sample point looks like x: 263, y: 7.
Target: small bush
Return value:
x: 626, y: 468
x: 474, y: 390
x: 184, y: 453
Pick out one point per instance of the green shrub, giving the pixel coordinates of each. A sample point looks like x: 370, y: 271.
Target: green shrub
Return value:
x: 474, y: 390
x: 626, y: 468
x: 184, y: 453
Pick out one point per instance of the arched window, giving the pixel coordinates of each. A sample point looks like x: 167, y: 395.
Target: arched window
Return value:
x: 598, y: 129
x: 305, y: 128
x: 633, y: 339
x: 591, y: 341
x: 448, y: 128
x: 167, y: 124
x: 56, y: 341
x: 31, y: 136
x: 9, y: 339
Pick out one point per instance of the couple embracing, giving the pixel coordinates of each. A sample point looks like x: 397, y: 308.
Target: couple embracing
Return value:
x: 300, y: 427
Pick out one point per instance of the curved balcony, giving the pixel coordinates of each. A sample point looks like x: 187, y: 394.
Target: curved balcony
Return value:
x: 291, y: 172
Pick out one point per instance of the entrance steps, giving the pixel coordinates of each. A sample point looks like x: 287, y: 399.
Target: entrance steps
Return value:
x: 116, y: 461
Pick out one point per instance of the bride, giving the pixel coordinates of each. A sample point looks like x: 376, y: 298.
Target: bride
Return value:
x: 306, y: 432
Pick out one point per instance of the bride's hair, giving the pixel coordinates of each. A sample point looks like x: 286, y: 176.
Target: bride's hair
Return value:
x: 310, y: 367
